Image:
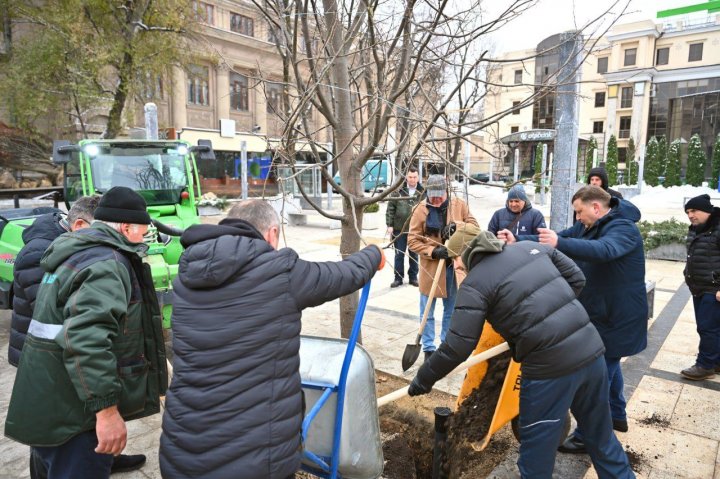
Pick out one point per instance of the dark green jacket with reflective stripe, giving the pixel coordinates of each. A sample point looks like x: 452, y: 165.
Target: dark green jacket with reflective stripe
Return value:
x: 95, y: 340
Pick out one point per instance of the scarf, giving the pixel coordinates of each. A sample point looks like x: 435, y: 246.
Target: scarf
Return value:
x: 436, y: 218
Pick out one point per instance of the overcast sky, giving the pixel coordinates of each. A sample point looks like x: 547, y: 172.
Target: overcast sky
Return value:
x: 554, y: 16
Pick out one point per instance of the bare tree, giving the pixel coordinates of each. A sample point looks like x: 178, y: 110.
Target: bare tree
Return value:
x: 391, y: 79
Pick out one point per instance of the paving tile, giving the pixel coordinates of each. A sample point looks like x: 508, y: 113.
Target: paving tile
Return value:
x: 673, y: 362
x: 674, y: 452
x: 654, y: 397
x: 698, y: 412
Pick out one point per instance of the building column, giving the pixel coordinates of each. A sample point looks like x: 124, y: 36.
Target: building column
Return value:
x: 610, y: 129
x: 640, y: 116
x: 260, y: 108
x: 222, y: 93
x: 179, y: 99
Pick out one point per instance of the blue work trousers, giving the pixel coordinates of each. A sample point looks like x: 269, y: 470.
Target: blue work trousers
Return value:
x: 543, y: 409
x: 707, y: 318
x: 76, y: 459
x: 428, y: 335
x: 401, y: 246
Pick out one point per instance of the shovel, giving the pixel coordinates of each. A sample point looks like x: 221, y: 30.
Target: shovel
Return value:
x: 412, y: 351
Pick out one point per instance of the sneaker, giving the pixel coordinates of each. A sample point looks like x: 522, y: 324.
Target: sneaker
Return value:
x: 414, y: 282
x: 125, y: 463
x: 696, y: 373
x: 396, y: 283
x: 428, y: 354
x: 620, y: 425
x: 573, y: 445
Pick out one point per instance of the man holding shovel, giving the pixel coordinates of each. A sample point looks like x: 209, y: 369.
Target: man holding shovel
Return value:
x: 528, y: 292
x: 432, y: 223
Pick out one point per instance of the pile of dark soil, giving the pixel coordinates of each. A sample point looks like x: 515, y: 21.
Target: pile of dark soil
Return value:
x: 655, y: 420
x: 637, y: 459
x: 471, y: 422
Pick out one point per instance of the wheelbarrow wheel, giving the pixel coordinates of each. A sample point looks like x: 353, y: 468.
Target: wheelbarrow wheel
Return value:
x: 515, y: 423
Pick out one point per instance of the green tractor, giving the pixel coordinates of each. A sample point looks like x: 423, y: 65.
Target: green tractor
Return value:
x: 164, y: 172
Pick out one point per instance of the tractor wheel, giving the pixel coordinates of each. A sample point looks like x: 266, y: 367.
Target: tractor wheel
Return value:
x: 515, y: 423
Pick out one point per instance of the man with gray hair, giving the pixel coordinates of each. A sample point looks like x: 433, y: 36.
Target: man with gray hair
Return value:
x: 94, y: 355
x: 235, y: 406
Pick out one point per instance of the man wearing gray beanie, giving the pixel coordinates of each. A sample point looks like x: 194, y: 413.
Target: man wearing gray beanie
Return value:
x: 518, y: 216
x: 703, y: 261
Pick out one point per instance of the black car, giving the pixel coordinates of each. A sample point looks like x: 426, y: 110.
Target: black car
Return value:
x: 480, y: 177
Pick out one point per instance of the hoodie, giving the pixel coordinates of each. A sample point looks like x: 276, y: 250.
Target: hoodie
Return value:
x: 601, y: 173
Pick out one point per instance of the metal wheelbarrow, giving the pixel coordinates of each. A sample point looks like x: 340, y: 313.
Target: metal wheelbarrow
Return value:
x: 341, y: 430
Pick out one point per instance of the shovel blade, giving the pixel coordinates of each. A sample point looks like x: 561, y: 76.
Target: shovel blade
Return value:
x: 410, y: 355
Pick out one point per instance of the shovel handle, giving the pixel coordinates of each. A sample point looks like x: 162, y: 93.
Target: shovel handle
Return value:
x: 477, y: 359
x: 431, y: 297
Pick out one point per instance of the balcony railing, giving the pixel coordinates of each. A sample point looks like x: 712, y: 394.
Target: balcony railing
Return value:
x: 624, y: 134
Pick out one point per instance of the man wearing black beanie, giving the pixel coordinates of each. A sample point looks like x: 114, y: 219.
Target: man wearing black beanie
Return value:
x: 94, y: 355
x: 701, y: 276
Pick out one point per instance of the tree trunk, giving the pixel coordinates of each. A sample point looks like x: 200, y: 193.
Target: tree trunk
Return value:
x: 114, y: 124
x: 349, y: 172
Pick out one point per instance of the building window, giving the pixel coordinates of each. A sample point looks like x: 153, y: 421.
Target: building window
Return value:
x: 198, y: 90
x: 242, y: 24
x: 626, y: 96
x: 514, y: 129
x: 273, y: 93
x: 624, y: 131
x: 518, y: 77
x: 630, y: 55
x: 662, y: 56
x: 602, y: 65
x: 204, y: 12
x: 599, y: 99
x: 622, y: 155
x: 152, y: 87
x: 516, y: 108
x: 238, y: 92
x: 695, y: 54
x: 598, y: 127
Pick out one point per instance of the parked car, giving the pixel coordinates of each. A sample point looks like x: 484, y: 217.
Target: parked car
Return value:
x: 480, y: 177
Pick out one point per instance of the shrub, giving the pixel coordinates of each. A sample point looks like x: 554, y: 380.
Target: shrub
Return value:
x: 372, y: 208
x: 695, y: 173
x: 611, y: 161
x: 662, y: 233
x: 672, y: 170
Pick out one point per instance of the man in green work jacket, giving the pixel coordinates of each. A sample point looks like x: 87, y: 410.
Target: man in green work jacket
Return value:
x: 94, y: 355
x: 397, y: 219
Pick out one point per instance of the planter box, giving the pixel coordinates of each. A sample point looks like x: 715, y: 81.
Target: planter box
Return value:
x: 673, y: 252
x: 209, y: 211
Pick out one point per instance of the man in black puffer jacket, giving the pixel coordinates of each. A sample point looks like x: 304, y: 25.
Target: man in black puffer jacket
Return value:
x: 702, y: 275
x: 234, y: 407
x: 528, y: 292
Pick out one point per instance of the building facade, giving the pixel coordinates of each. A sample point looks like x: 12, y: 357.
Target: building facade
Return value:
x: 641, y: 80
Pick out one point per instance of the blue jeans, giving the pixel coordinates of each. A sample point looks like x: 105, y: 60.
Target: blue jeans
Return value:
x: 617, y: 384
x: 76, y: 459
x: 400, y: 244
x: 707, y: 318
x: 543, y: 408
x: 428, y: 335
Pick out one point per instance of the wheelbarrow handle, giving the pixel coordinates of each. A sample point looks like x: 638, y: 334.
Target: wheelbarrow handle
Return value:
x: 478, y: 358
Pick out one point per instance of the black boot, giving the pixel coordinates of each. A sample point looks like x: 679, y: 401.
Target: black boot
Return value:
x: 573, y: 445
x: 124, y: 463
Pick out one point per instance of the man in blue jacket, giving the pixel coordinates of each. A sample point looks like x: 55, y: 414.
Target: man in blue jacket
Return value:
x: 606, y: 244
x: 518, y: 216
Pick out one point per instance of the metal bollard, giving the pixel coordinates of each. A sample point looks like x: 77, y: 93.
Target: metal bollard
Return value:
x: 441, y: 416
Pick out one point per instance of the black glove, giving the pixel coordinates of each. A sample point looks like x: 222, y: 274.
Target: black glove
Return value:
x: 448, y: 231
x: 416, y: 389
x: 440, y: 252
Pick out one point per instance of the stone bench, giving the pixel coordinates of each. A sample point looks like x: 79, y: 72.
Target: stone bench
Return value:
x: 297, y: 219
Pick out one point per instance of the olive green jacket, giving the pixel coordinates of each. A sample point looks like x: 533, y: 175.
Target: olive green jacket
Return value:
x: 95, y: 340
x: 398, y: 211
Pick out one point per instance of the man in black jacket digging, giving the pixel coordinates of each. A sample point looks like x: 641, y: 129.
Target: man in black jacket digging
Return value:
x: 528, y: 293
x: 234, y: 407
x: 27, y: 275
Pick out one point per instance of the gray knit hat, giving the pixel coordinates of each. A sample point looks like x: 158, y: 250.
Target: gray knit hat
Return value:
x: 436, y: 186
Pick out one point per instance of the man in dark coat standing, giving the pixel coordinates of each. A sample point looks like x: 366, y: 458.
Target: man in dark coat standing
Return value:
x: 528, y: 294
x: 518, y: 215
x: 702, y: 275
x: 598, y: 177
x: 27, y: 275
x: 397, y: 218
x: 605, y: 243
x: 235, y: 405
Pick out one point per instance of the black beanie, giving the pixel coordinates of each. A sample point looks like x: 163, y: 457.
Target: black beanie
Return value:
x: 700, y: 203
x: 122, y: 205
